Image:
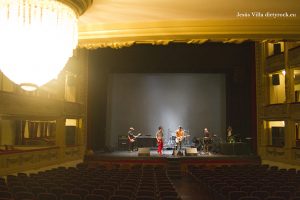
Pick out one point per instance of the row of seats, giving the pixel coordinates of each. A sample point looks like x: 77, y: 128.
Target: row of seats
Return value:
x: 239, y: 182
x: 86, y: 183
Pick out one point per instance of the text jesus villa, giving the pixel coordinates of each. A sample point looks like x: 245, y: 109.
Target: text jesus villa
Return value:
x: 249, y: 14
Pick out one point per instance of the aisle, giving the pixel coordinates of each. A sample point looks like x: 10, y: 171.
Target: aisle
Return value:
x: 188, y: 189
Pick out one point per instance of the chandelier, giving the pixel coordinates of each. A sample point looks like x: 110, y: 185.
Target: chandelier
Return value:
x: 37, y: 37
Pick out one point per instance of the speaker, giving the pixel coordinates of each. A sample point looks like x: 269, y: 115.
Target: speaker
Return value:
x: 277, y: 48
x: 144, y: 152
x: 191, y: 151
x: 275, y: 79
x: 122, y: 143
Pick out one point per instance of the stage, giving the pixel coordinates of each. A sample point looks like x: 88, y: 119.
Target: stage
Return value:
x: 127, y: 158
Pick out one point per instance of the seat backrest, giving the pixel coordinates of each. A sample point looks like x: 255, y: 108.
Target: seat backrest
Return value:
x: 37, y: 190
x: 68, y: 187
x: 94, y: 197
x: 16, y: 189
x: 260, y: 194
x: 68, y: 196
x: 283, y: 194
x: 144, y: 198
x: 127, y: 193
x: 287, y: 188
x: 168, y: 193
x: 119, y: 197
x: 6, y: 194
x: 236, y: 195
x: 249, y: 198
x: 81, y: 192
x: 248, y: 189
x: 88, y: 187
x: 148, y: 193
x: 46, y: 196
x: 102, y: 192
x: 3, y: 188
x: 23, y: 195
x: 274, y: 198
x: 268, y: 188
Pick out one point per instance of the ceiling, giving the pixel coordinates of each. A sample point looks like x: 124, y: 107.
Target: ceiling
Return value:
x: 118, y: 23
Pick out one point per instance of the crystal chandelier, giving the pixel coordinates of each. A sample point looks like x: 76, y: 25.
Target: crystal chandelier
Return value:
x: 37, y: 37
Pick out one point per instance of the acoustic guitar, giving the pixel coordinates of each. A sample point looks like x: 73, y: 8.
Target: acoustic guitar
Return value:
x: 180, y: 138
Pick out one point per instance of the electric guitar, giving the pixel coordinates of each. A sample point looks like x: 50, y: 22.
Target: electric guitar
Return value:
x: 134, y: 137
x: 180, y: 138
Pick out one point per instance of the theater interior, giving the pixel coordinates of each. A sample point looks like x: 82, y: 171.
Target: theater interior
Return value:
x: 231, y: 67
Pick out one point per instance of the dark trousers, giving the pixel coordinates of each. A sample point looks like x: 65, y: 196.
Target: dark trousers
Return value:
x: 131, y: 145
x: 178, y: 145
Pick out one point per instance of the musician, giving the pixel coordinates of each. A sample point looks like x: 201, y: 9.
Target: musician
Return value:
x: 159, y: 139
x: 179, y: 137
x: 230, y: 137
x: 131, y: 139
x: 206, y: 133
x: 206, y: 139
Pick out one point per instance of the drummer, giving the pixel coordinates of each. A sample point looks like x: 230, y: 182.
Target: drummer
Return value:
x: 206, y: 133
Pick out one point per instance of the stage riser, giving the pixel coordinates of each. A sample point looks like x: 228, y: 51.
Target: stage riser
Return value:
x: 184, y: 162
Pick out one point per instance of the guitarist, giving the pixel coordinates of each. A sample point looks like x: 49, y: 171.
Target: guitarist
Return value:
x: 131, y: 139
x: 179, y: 137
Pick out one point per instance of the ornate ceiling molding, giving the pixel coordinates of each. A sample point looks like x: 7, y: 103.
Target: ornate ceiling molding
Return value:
x: 79, y: 6
x: 192, y: 32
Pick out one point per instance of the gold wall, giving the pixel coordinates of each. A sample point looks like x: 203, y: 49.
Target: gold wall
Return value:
x: 57, y: 101
x: 285, y: 111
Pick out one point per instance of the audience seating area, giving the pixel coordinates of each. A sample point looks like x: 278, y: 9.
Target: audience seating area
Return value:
x: 248, y: 182
x: 84, y: 183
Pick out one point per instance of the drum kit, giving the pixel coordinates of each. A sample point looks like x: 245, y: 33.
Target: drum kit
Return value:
x: 172, y: 140
x: 204, y: 144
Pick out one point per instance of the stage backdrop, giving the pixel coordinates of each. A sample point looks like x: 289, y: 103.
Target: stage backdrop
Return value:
x: 148, y: 100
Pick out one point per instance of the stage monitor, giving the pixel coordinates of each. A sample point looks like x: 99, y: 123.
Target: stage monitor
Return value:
x: 190, y: 151
x: 144, y: 152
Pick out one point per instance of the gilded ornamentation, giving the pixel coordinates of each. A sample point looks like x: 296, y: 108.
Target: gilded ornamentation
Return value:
x: 79, y: 6
x: 116, y: 35
x: 160, y: 42
x: 94, y: 44
x: 197, y: 41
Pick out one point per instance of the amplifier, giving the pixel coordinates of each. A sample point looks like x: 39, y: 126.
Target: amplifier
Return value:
x: 122, y: 143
